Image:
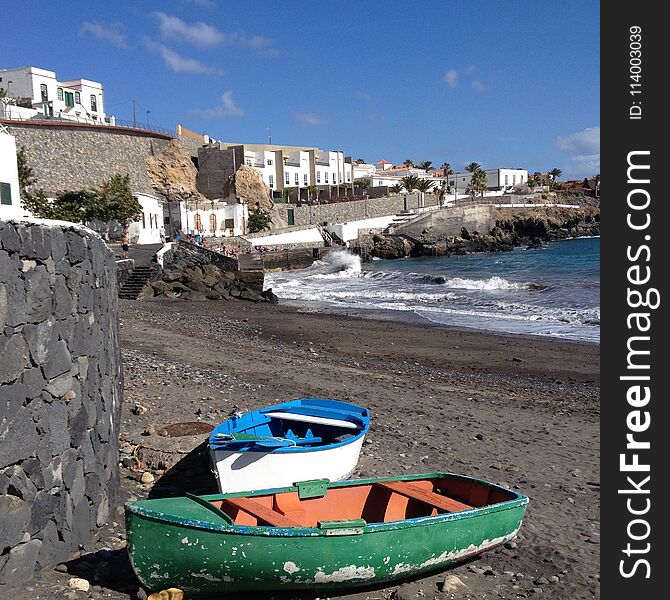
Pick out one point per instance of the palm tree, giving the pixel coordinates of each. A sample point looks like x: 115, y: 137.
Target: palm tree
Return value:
x: 424, y: 185
x: 443, y: 190
x: 410, y: 182
x: 396, y: 188
x: 313, y: 191
x: 286, y: 194
x: 555, y: 173
x: 473, y: 167
x: 425, y: 165
x: 446, y: 169
x: 408, y: 163
x: 477, y: 183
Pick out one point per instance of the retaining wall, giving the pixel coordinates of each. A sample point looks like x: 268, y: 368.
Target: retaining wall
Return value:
x: 354, y: 210
x: 73, y: 157
x: 60, y: 393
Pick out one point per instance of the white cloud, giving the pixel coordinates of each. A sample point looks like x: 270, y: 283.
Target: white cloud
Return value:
x: 198, y: 34
x: 451, y: 77
x: 227, y: 108
x: 309, y: 118
x: 181, y: 64
x: 584, y: 148
x: 204, y: 35
x: 478, y: 86
x: 582, y: 142
x: 107, y: 33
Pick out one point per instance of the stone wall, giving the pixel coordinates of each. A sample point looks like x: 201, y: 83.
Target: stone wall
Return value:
x: 449, y: 222
x: 354, y: 210
x: 71, y: 157
x: 60, y: 393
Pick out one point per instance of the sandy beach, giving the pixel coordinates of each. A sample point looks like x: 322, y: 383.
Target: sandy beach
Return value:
x: 522, y: 412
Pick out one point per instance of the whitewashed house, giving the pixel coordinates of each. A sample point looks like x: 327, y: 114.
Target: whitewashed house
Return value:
x: 79, y: 100
x: 10, y: 201
x: 211, y: 218
x: 502, y: 180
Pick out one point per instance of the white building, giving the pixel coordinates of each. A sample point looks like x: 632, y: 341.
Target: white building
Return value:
x: 496, y: 179
x: 209, y: 218
x: 281, y: 167
x: 146, y: 230
x: 10, y: 202
x: 77, y: 99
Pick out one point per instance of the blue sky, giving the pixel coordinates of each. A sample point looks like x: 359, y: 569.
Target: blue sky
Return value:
x: 505, y: 84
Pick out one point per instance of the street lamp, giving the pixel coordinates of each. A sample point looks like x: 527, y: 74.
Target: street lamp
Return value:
x: 9, y: 110
x: 148, y: 118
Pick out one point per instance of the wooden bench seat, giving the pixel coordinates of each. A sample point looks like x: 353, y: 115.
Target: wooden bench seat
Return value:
x: 410, y: 490
x: 262, y: 513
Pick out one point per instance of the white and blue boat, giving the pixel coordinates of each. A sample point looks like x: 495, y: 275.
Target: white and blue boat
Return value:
x: 309, y: 438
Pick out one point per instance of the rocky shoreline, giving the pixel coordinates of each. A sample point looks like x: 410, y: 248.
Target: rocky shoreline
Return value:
x: 529, y: 227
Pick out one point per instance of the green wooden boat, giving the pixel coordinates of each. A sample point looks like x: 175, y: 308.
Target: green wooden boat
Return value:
x: 317, y: 534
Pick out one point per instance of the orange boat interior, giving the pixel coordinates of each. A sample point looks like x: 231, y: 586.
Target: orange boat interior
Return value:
x: 379, y: 502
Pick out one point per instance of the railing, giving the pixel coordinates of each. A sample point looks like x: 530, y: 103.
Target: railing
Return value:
x: 8, y: 115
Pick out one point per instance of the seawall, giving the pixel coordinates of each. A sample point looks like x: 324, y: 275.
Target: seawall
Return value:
x: 60, y: 393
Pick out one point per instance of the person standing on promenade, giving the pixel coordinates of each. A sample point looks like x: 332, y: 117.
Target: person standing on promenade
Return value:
x: 124, y: 245
x: 161, y: 233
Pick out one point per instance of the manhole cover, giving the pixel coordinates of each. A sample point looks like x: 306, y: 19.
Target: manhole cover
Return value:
x: 188, y: 428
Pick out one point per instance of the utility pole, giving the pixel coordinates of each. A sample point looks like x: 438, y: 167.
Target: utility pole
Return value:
x: 134, y: 116
x: 270, y: 135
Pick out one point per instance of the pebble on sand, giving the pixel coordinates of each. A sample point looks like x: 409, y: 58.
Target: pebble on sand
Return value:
x: 77, y: 583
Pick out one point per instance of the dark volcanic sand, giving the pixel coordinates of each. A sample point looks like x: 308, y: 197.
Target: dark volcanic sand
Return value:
x: 522, y: 412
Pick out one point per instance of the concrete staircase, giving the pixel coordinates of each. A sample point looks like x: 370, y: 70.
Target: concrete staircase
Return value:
x: 131, y: 288
x: 399, y: 219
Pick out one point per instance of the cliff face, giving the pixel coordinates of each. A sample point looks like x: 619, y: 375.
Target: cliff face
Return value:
x: 519, y: 227
x: 250, y: 188
x: 173, y: 171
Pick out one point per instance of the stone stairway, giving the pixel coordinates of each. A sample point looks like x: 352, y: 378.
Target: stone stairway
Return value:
x: 131, y: 288
x: 399, y: 219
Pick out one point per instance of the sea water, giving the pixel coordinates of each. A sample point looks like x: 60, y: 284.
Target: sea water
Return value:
x: 551, y: 291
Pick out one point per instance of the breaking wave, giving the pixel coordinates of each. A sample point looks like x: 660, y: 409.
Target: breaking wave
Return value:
x: 553, y: 293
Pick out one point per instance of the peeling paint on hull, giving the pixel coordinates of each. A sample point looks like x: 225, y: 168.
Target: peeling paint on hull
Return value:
x: 304, y: 558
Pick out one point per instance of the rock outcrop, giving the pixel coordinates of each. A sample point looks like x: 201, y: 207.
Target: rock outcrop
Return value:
x: 250, y: 188
x: 523, y: 227
x: 191, y: 276
x: 173, y: 173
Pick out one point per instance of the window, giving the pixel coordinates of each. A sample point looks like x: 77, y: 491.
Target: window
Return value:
x: 212, y: 223
x: 247, y: 161
x: 318, y: 176
x: 304, y: 179
x: 272, y: 182
x: 334, y: 177
x: 94, y: 103
x: 506, y: 179
x: 43, y: 92
x: 325, y: 176
x: 297, y: 178
x: 5, y: 193
x: 514, y: 178
x: 77, y: 98
x: 69, y: 99
x: 59, y: 93
x: 144, y: 223
x: 229, y: 224
x: 286, y: 178
x: 269, y: 162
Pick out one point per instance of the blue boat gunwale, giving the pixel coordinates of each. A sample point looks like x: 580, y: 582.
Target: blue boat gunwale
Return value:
x: 265, y: 531
x: 355, y: 414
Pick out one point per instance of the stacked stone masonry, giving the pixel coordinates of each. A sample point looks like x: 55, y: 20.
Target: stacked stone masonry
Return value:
x: 60, y: 394
x: 67, y: 157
